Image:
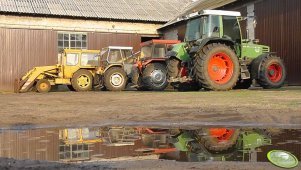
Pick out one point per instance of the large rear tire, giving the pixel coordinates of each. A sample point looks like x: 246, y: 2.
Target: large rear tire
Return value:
x: 82, y: 80
x: 272, y: 72
x: 216, y: 67
x: 115, y: 79
x: 43, y: 86
x: 173, y: 68
x: 154, y: 77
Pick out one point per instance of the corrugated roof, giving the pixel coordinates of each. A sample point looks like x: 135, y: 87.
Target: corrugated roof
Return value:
x: 198, y: 6
x: 139, y: 10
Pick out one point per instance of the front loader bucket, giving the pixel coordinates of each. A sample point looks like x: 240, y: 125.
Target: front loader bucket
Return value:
x: 19, y: 86
x: 25, y: 85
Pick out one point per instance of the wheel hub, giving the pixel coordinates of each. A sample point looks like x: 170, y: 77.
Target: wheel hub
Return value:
x: 215, y: 68
x: 43, y: 86
x: 275, y: 72
x: 272, y: 72
x: 220, y: 68
x: 158, y: 77
x: 83, y: 81
x: 116, y: 80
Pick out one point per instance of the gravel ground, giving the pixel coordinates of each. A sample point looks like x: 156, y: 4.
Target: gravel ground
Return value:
x: 234, y: 108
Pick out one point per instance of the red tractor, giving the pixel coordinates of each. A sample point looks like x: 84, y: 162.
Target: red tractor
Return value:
x: 149, y: 72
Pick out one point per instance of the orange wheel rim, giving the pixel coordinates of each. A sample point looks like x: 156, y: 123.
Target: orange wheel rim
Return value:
x: 220, y: 68
x: 221, y: 134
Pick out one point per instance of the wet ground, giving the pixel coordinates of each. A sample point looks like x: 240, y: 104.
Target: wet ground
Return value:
x: 142, y: 147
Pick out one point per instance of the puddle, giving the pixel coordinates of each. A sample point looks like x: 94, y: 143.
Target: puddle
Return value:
x: 138, y: 143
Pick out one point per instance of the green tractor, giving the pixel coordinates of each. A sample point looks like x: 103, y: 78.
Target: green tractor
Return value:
x: 214, y: 56
x: 221, y: 144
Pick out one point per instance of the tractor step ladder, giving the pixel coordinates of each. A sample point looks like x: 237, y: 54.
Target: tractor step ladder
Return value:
x: 245, y: 74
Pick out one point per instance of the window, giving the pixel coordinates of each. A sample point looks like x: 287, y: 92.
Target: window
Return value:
x: 194, y: 29
x: 104, y: 54
x: 115, y: 56
x: 159, y: 51
x: 203, y: 27
x: 74, y: 151
x: 72, y: 59
x: 231, y: 28
x: 72, y: 41
x: 126, y: 53
x: 89, y: 59
x: 146, y: 51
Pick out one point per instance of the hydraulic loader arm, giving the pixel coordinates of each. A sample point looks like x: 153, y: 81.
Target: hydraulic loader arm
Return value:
x: 29, y: 78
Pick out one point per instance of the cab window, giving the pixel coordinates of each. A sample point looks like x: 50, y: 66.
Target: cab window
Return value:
x: 89, y: 59
x: 159, y: 51
x: 114, y: 56
x: 146, y: 51
x: 71, y: 59
x: 231, y: 28
x: 126, y: 53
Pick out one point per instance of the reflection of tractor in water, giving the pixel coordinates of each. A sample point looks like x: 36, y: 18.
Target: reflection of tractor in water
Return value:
x: 216, y: 57
x: 148, y: 141
x: 149, y: 72
x: 120, y: 136
x: 75, y: 143
x: 220, y: 144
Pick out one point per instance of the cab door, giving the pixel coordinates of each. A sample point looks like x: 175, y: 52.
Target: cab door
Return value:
x: 71, y: 64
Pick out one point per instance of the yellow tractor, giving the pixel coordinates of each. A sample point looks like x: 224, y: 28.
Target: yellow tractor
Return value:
x: 80, y: 136
x: 76, y: 68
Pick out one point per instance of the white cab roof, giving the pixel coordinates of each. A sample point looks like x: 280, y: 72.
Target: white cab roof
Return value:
x: 220, y: 12
x: 215, y: 12
x: 120, y: 47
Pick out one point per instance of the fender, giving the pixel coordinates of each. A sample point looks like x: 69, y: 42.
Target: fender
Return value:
x: 256, y: 64
x: 202, y: 42
x: 158, y: 60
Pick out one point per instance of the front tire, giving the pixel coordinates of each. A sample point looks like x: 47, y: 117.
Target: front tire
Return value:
x: 115, y: 79
x: 43, y: 86
x: 82, y: 80
x: 272, y: 73
x: 216, y: 67
x: 154, y: 77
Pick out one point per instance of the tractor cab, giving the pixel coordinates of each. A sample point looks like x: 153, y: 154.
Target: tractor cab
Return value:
x: 213, y: 24
x: 156, y: 48
x: 70, y: 60
x: 222, y: 27
x: 115, y: 55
